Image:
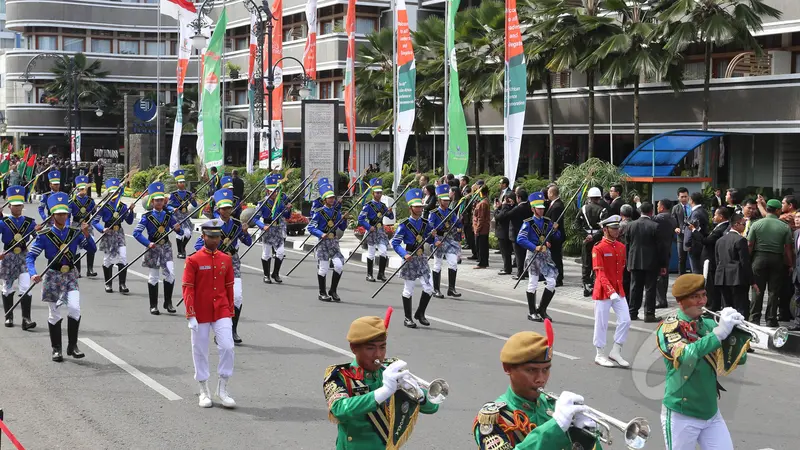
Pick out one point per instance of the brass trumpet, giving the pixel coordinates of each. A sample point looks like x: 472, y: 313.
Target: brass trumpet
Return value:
x: 438, y: 389
x: 779, y: 335
x: 636, y: 431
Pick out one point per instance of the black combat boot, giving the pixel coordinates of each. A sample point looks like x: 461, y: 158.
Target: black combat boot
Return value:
x: 236, y: 313
x: 72, y: 338
x: 323, y: 293
x: 409, y: 322
x: 382, y: 261
x: 123, y: 278
x: 546, y: 298
x: 437, y: 283
x: 276, y: 276
x: 533, y: 313
x: 106, y: 277
x: 55, y: 340
x: 152, y: 290
x: 370, y: 265
x: 90, y: 265
x: 265, y: 264
x: 25, y: 304
x: 8, y: 302
x: 451, y: 283
x: 424, y: 299
x: 168, y: 287
x: 334, y: 284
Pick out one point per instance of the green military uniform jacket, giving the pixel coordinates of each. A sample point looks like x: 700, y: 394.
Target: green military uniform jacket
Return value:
x: 352, y: 405
x: 694, y: 357
x: 512, y: 422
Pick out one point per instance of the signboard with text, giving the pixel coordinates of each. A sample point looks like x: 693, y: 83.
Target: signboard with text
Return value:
x: 320, y: 141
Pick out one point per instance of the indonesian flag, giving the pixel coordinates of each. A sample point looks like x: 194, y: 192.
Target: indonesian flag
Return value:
x: 310, y: 52
x: 349, y: 86
x: 173, y: 8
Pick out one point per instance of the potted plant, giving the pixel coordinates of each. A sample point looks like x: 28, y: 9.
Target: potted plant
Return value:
x: 296, y: 224
x: 233, y: 70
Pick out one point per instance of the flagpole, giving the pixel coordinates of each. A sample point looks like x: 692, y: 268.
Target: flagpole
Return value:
x: 158, y: 89
x: 446, y: 89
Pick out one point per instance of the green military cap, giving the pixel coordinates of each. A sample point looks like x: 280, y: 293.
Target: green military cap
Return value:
x: 773, y: 203
x: 366, y: 329
x: 688, y: 284
x: 526, y: 347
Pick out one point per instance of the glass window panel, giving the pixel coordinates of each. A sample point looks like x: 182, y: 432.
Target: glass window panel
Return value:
x: 74, y: 44
x: 365, y: 25
x: 241, y: 97
x: 2, y: 6
x: 46, y: 42
x: 153, y: 47
x: 243, y: 43
x: 129, y: 47
x: 101, y: 46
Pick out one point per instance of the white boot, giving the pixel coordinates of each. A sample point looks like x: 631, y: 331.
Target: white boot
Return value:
x: 601, y: 359
x: 616, y: 355
x: 222, y: 393
x: 205, y: 395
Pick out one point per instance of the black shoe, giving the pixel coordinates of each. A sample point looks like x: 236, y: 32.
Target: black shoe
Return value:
x: 123, y: 279
x: 546, y: 298
x: 106, y: 277
x: 559, y: 283
x: 437, y: 283
x: 168, y: 287
x: 750, y: 350
x: 55, y: 341
x: 409, y: 323
x: 25, y: 304
x: 633, y: 318
x: 152, y: 290
x: 424, y: 299
x: 503, y: 272
x: 382, y: 261
x: 237, y: 312
x: 535, y: 317
x: 370, y: 264
x: 773, y: 323
x: 72, y: 338
x: 407, y: 313
x: 649, y: 318
x: 90, y: 265
x: 451, y: 283
x: 8, y: 302
x: 265, y: 265
x: 323, y: 293
x: 587, y: 290
x: 335, y: 284
x: 662, y: 306
x: 515, y: 277
x: 276, y: 276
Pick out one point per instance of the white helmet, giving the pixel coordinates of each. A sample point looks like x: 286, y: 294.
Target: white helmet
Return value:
x: 595, y: 192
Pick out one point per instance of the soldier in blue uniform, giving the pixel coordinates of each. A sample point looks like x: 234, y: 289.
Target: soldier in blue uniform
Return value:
x: 15, y: 231
x: 450, y: 246
x: 323, y: 225
x: 178, y: 203
x: 109, y: 222
x: 54, y: 177
x: 232, y: 232
x: 411, y: 233
x: 371, y: 218
x: 82, y: 207
x: 534, y: 237
x: 273, y: 236
x: 61, y: 281
x: 156, y: 223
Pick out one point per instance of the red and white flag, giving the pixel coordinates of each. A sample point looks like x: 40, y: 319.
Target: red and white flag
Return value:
x: 350, y: 86
x: 310, y: 52
x: 173, y: 8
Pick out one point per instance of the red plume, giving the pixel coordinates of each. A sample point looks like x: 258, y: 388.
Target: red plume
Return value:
x: 388, y: 317
x: 548, y: 328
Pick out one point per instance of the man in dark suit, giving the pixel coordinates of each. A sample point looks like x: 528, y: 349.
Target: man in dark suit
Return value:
x: 555, y: 213
x: 502, y: 225
x: 734, y: 275
x: 644, y: 263
x: 666, y: 232
x: 709, y: 242
x: 692, y: 241
x: 515, y: 217
x: 680, y: 212
x: 616, y: 199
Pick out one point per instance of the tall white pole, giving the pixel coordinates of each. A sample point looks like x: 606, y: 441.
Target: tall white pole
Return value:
x: 446, y: 89
x: 611, y: 124
x: 158, y: 89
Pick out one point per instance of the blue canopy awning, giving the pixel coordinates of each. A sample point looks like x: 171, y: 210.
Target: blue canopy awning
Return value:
x: 658, y: 156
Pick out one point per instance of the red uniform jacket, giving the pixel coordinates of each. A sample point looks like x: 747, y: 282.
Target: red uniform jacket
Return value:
x: 608, y: 262
x: 208, y: 286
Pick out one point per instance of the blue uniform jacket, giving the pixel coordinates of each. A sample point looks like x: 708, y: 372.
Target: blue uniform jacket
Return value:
x: 369, y: 214
x: 44, y: 243
x: 106, y: 215
x: 151, y: 221
x: 436, y: 218
x: 44, y: 211
x: 317, y: 204
x: 323, y: 221
x: 264, y: 214
x: 532, y: 229
x: 232, y: 229
x: 79, y: 202
x: 11, y: 226
x: 177, y: 198
x: 407, y: 234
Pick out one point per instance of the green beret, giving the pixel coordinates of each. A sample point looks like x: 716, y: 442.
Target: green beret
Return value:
x: 774, y: 204
x: 688, y: 284
x: 366, y: 329
x: 526, y: 347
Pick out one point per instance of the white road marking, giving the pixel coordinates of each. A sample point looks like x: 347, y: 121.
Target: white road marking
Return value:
x: 136, y: 373
x: 312, y: 340
x: 487, y: 333
x: 138, y: 274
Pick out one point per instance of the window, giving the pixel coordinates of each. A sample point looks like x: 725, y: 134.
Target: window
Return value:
x: 129, y: 47
x: 241, y: 97
x: 338, y: 89
x: 46, y: 43
x: 2, y: 6
x: 242, y: 43
x: 366, y: 25
x: 2, y: 25
x: 102, y: 33
x: 101, y: 45
x: 153, y: 48
x: 74, y: 44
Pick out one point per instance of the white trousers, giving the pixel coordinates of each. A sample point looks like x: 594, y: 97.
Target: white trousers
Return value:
x: 237, y: 292
x: 73, y: 308
x: 169, y: 274
x: 223, y: 330
x: 371, y: 250
x: 323, y: 264
x: 602, y: 311
x: 682, y: 432
x: 23, y: 283
x: 533, y: 282
x: 452, y: 262
x: 122, y: 258
x: 266, y: 253
x: 426, y: 282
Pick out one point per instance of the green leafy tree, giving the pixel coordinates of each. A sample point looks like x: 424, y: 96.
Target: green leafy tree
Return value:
x: 75, y: 75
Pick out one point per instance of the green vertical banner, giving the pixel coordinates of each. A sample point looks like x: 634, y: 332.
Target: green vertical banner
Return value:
x: 516, y: 83
x: 212, y: 111
x: 406, y: 88
x: 458, y: 147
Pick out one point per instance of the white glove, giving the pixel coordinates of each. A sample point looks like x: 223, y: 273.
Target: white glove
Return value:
x: 581, y: 421
x: 409, y: 383
x: 567, y: 405
x: 729, y: 318
x: 193, y: 323
x: 391, y: 375
x: 614, y: 296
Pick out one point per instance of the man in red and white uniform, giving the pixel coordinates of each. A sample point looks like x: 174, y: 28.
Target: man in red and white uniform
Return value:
x: 608, y: 263
x: 208, y: 293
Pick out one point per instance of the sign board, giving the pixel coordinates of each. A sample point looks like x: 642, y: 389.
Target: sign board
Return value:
x: 320, y: 119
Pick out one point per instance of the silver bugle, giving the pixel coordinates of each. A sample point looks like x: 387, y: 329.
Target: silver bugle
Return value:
x: 438, y: 389
x: 779, y: 335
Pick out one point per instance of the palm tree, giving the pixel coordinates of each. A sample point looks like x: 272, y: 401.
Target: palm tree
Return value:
x: 712, y: 23
x: 75, y: 76
x: 374, y: 81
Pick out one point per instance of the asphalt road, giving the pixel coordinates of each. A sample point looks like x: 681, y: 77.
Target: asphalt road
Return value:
x: 135, y: 388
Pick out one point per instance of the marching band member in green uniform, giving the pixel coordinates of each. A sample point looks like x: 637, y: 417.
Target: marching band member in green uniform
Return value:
x: 524, y: 418
x: 370, y: 402
x: 696, y: 350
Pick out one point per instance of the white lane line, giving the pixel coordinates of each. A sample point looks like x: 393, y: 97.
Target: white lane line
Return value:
x: 312, y: 340
x: 138, y: 274
x: 487, y: 333
x: 136, y: 373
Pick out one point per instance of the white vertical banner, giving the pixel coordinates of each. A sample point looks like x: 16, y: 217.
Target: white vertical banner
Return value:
x: 184, y: 51
x: 277, y: 144
x: 76, y: 146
